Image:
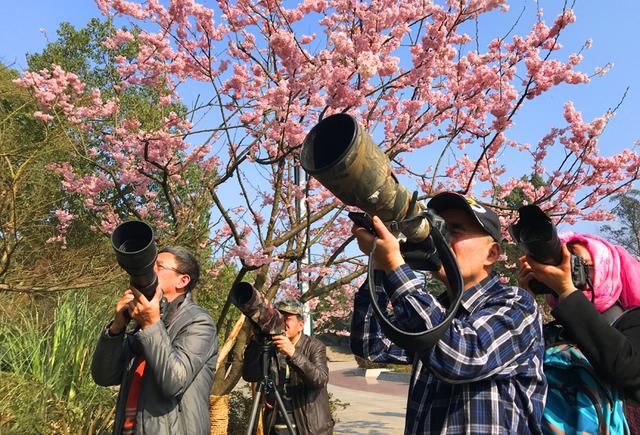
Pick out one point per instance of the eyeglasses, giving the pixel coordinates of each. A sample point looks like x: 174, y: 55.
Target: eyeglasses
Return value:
x: 456, y: 230
x: 165, y: 267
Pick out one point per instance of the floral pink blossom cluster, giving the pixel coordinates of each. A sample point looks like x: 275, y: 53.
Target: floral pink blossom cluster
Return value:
x: 440, y: 104
x: 64, y: 221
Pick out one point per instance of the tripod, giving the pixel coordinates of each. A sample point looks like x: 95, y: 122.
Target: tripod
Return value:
x: 267, y: 385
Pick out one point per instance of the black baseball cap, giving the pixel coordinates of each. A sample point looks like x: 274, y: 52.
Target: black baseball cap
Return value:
x: 487, y: 219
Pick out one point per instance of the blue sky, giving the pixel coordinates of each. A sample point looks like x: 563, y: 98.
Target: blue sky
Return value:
x: 614, y: 29
x: 612, y: 26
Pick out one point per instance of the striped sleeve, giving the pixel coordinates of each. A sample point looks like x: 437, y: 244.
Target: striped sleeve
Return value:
x: 415, y: 309
x: 489, y: 342
x: 367, y: 339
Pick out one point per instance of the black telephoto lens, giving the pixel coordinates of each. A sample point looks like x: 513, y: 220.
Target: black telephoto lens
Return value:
x: 537, y: 236
x: 136, y: 253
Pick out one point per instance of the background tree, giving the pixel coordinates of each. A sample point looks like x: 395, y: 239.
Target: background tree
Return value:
x: 83, y: 55
x: 46, y: 334
x: 89, y: 63
x: 627, y: 231
x: 57, y: 270
x: 438, y: 100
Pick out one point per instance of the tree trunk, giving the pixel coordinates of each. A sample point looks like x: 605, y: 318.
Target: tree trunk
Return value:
x: 219, y: 414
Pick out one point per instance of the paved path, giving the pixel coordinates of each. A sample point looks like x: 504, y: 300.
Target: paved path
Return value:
x: 376, y: 407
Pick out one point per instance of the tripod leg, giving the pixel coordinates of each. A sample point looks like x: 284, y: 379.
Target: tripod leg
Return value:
x: 283, y: 411
x: 255, y: 408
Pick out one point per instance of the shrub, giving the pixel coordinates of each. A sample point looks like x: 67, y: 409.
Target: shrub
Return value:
x: 240, y: 402
x: 45, y: 363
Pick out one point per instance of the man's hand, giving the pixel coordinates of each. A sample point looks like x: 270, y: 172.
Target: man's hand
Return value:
x: 387, y: 254
x: 284, y: 345
x: 145, y: 312
x: 558, y: 278
x: 121, y: 319
x: 525, y: 273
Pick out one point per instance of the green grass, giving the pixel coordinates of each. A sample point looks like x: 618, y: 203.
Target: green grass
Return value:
x: 400, y: 368
x: 45, y: 361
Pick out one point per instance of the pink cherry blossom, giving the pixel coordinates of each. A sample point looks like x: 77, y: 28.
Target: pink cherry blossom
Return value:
x: 440, y: 103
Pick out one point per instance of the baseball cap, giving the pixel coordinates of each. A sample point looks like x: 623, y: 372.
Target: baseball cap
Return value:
x: 291, y: 307
x: 487, y: 219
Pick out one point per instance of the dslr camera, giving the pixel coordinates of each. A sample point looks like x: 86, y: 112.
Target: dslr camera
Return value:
x: 538, y: 238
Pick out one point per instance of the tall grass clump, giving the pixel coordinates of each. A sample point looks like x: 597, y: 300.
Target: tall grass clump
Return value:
x: 45, y: 359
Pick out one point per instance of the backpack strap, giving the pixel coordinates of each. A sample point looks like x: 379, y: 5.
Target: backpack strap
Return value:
x: 612, y: 313
x: 553, y: 333
x: 625, y: 313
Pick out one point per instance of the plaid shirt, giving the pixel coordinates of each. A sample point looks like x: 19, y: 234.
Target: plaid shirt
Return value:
x: 483, y: 377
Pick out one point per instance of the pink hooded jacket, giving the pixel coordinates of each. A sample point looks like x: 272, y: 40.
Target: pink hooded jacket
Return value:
x: 616, y: 273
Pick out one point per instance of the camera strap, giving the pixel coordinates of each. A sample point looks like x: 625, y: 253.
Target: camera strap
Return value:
x: 422, y: 340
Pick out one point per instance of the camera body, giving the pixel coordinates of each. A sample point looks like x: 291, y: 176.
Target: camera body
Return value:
x: 419, y: 255
x: 579, y: 272
x: 536, y: 235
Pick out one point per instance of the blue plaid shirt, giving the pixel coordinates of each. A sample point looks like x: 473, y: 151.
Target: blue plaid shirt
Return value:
x: 483, y: 377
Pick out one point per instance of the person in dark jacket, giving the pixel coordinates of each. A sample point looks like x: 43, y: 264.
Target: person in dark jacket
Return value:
x: 301, y: 375
x: 166, y: 362
x: 604, y: 320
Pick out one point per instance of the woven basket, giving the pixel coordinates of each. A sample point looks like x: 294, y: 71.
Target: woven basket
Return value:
x: 219, y: 414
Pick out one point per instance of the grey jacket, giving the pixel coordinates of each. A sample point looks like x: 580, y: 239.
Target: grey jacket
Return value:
x: 180, y: 364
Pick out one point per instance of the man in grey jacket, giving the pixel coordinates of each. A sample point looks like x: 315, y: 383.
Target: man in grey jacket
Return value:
x: 165, y: 365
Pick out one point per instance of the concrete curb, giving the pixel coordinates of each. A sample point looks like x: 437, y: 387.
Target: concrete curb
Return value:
x: 388, y: 375
x: 383, y: 375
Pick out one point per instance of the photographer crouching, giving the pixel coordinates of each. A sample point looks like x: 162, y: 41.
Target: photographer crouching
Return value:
x: 165, y: 364
x: 300, y: 372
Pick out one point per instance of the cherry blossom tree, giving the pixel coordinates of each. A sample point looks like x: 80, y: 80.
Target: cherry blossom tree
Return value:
x: 29, y: 222
x: 627, y: 231
x: 414, y: 73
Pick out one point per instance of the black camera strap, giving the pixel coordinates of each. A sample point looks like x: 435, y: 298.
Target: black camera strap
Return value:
x: 423, y: 340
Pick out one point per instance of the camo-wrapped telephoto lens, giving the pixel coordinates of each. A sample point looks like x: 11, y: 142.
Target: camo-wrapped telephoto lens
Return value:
x: 341, y: 155
x: 253, y: 305
x: 136, y: 253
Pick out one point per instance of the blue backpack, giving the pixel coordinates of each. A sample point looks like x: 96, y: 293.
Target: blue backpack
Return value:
x: 578, y: 401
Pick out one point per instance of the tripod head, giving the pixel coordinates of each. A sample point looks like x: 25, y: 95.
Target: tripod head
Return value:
x: 267, y: 354
x: 267, y: 384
